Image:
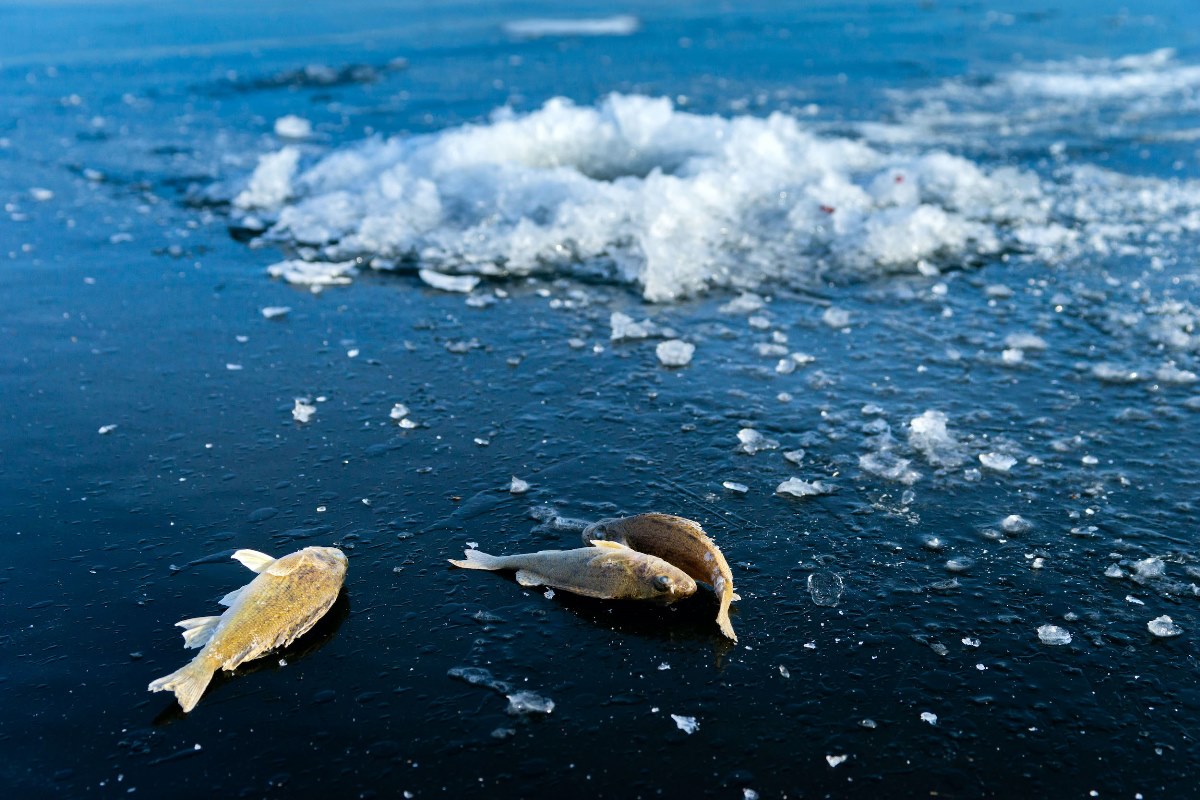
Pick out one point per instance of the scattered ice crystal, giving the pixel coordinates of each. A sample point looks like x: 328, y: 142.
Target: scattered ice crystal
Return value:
x: 1012, y: 356
x: 399, y: 411
x: 675, y: 352
x: 1052, y: 634
x: 1148, y: 569
x: 526, y: 702
x: 1015, y: 523
x: 449, y: 283
x: 930, y: 717
x: 734, y: 486
x: 624, y: 328
x: 784, y: 671
x: 313, y: 273
x: 970, y: 641
x: 1164, y: 626
x: 887, y: 464
x: 751, y: 441
x: 794, y: 456
x: 518, y: 486
x: 1024, y: 341
x: 1131, y: 599
x: 868, y: 723
x: 836, y: 317
x: 960, y: 564
x: 276, y: 312
x: 536, y: 28
x: 302, y: 411
x: 106, y: 429
x: 825, y: 588
x: 1114, y: 571
x: 835, y: 760
x: 749, y: 794
x: 745, y: 303
x: 1089, y: 461
x: 688, y: 725
x: 800, y: 488
x: 927, y: 434
x: 293, y: 127
x: 997, y: 461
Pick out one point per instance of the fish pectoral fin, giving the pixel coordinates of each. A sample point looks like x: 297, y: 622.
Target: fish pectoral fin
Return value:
x: 735, y: 597
x: 253, y: 560
x: 198, y: 630
x: 527, y: 578
x: 608, y: 545
x: 232, y: 597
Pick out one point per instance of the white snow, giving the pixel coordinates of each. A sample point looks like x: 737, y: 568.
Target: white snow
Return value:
x: 1164, y: 626
x: 271, y: 183
x: 1054, y: 635
x: 688, y: 725
x: 675, y: 352
x: 449, y: 283
x: 293, y: 127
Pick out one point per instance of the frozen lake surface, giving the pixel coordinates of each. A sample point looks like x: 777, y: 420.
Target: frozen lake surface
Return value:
x: 899, y: 301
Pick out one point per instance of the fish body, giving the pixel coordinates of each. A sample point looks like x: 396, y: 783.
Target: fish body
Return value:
x: 279, y: 606
x: 679, y: 541
x: 610, y: 571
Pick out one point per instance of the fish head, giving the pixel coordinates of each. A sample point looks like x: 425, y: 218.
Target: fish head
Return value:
x: 667, y: 583
x: 329, y: 558
x: 606, y: 530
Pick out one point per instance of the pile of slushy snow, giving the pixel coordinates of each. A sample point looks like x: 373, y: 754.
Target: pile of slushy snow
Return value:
x: 636, y: 191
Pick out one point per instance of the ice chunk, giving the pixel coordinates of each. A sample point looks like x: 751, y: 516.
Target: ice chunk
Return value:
x: 751, y: 441
x: 1052, y: 634
x: 745, y: 303
x: 276, y: 312
x: 887, y: 464
x: 1169, y: 373
x: 997, y: 461
x: 1012, y: 356
x: 293, y: 127
x: 927, y: 434
x: 835, y: 760
x: 535, y: 28
x: 399, y: 411
x: 106, y: 429
x: 794, y: 456
x: 518, y: 486
x: 735, y: 487
x: 271, y: 183
x: 41, y: 194
x: 1024, y: 341
x: 825, y: 588
x: 313, y: 273
x: 302, y: 411
x: 478, y: 676
x: 960, y: 564
x: 1164, y: 626
x: 675, y: 352
x: 1148, y: 569
x: 930, y: 717
x: 971, y: 641
x: 800, y: 488
x: 449, y: 283
x: 1015, y: 523
x: 836, y: 317
x: 526, y: 702
x: 784, y: 671
x: 688, y: 725
x: 1111, y: 373
x: 1113, y: 571
x: 624, y: 327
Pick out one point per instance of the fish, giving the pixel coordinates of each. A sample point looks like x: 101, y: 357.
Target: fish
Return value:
x: 279, y: 606
x: 679, y: 541
x: 607, y: 570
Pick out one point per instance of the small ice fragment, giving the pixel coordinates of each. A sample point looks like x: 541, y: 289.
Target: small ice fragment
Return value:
x: 663, y: 667
x: 675, y: 352
x: 518, y: 486
x: 407, y: 424
x: 784, y: 671
x: 399, y: 411
x: 1052, y: 634
x: 624, y: 327
x: 770, y: 349
x: 745, y: 303
x: 933, y: 543
x: 276, y: 312
x: 1110, y: 373
x: 810, y: 645
x: 825, y: 588
x: 1015, y: 523
x: 1114, y: 571
x: 794, y: 456
x: 538, y: 27
x: 1148, y: 569
x: 970, y: 641
x: 106, y: 429
x: 1024, y: 341
x: 734, y: 486
x: 233, y: 367
x: 888, y: 465
x: 868, y: 723
x: 482, y: 442
x: 800, y: 488
x: 759, y: 322
x: 1164, y: 626
x: 997, y: 461
x: 688, y: 725
x: 1037, y: 563
x: 927, y: 433
x: 293, y: 127
x: 836, y: 317
x: 548, y: 594
x: 40, y: 194
x: 929, y: 716
x: 526, y: 702
x: 353, y: 352
x: 449, y: 283
x: 1012, y: 356
x: 749, y: 794
x: 303, y: 412
x: 299, y: 272
x: 1131, y: 599
x: 960, y: 564
x: 835, y: 760
x: 751, y: 441
x: 1169, y: 373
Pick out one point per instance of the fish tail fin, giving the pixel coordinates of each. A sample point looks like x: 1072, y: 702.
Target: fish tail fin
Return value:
x: 723, y: 615
x: 477, y: 559
x: 188, y: 683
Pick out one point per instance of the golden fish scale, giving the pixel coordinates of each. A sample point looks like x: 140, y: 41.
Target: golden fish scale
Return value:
x: 614, y: 574
x: 273, y: 611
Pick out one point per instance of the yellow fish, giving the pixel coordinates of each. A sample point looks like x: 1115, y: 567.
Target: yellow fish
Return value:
x: 279, y: 606
x: 610, y: 571
x: 679, y: 541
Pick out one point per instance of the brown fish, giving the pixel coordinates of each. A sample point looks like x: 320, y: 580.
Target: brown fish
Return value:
x: 609, y: 570
x: 679, y: 541
x: 279, y: 606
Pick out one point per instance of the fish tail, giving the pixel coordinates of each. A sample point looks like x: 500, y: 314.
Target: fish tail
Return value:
x: 723, y: 614
x: 188, y: 683
x: 477, y: 559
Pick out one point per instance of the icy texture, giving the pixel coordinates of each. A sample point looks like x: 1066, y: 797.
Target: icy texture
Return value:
x: 801, y: 488
x: 1052, y: 634
x: 302, y: 411
x: 927, y: 434
x: 526, y: 702
x: 686, y: 724
x: 1164, y: 626
x: 997, y: 461
x: 624, y: 327
x: 449, y: 283
x: 518, y: 486
x: 751, y: 441
x: 887, y: 464
x: 313, y: 273
x: 1015, y: 523
x: 641, y: 192
x: 618, y: 25
x: 675, y: 352
x: 825, y: 588
x: 1148, y: 569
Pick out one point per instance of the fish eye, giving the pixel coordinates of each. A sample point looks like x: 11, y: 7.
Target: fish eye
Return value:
x: 662, y: 583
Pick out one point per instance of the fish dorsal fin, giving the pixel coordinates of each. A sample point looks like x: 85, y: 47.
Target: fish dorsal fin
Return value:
x: 253, y: 560
x: 198, y: 630
x: 232, y: 597
x: 608, y: 545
